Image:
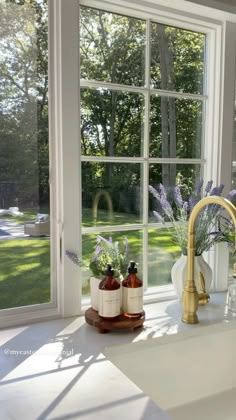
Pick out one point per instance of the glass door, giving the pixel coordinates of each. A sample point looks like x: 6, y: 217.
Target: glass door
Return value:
x: 24, y: 154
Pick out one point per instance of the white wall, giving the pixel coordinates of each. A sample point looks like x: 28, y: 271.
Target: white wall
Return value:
x: 226, y: 5
x: 209, y: 8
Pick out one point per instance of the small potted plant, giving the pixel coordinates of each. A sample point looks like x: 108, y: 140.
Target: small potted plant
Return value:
x: 107, y: 251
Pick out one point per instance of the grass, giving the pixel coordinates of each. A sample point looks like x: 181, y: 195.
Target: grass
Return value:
x: 25, y: 272
x: 106, y: 219
x: 25, y: 263
x: 25, y: 267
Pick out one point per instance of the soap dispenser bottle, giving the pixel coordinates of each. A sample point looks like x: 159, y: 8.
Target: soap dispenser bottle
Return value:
x: 109, y: 296
x: 132, y: 293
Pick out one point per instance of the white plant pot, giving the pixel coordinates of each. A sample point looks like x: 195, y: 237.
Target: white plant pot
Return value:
x: 94, y: 284
x: 179, y: 274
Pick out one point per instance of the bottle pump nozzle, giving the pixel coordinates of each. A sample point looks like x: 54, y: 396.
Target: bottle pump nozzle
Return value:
x: 132, y: 269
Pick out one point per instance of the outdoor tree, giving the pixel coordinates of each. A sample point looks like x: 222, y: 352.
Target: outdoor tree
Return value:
x: 113, y: 50
x: 23, y: 100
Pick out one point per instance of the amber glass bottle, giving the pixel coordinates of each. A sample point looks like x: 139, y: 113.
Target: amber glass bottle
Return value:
x: 132, y: 293
x: 109, y: 296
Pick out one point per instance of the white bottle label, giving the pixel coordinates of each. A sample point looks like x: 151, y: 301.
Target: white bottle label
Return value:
x: 132, y: 299
x: 109, y: 303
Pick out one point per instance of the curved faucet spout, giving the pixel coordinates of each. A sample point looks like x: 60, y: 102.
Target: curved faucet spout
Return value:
x: 190, y: 294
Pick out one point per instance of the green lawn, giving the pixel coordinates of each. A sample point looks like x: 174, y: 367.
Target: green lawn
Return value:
x: 24, y: 272
x: 25, y: 263
x: 24, y: 267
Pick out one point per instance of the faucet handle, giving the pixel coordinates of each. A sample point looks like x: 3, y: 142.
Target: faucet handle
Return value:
x: 203, y: 297
x: 202, y: 283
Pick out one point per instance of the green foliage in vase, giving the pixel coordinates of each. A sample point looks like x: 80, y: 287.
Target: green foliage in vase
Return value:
x: 106, y: 252
x: 110, y: 252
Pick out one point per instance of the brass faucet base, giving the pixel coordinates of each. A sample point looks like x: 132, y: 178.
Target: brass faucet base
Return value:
x: 190, y: 305
x: 190, y: 318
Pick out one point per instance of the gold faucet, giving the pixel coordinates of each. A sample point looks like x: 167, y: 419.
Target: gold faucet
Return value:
x: 190, y: 295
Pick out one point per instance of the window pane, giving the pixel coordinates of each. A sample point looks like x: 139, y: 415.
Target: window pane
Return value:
x: 177, y: 59
x: 24, y: 188
x: 186, y: 176
x: 162, y: 254
x: 175, y: 127
x: 135, y: 239
x: 112, y: 47
x: 234, y: 158
x: 111, y: 123
x: 111, y: 193
x: 232, y: 257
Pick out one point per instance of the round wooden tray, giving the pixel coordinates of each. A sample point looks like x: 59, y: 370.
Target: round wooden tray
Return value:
x: 121, y: 323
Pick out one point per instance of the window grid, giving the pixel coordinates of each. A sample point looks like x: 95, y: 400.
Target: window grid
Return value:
x: 144, y: 160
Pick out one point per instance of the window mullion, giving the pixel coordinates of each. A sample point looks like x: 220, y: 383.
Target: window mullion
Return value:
x: 224, y: 136
x: 67, y: 121
x: 176, y: 94
x: 111, y: 86
x: 145, y: 171
x: 93, y: 84
x: 124, y: 159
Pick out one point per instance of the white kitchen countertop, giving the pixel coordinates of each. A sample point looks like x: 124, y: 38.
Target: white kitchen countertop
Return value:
x: 57, y: 370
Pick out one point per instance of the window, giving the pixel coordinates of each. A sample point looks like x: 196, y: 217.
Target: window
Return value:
x: 233, y: 183
x: 156, y: 103
x: 143, y: 102
x: 24, y: 155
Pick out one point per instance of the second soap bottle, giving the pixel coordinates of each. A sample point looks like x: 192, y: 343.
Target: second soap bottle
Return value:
x: 132, y: 293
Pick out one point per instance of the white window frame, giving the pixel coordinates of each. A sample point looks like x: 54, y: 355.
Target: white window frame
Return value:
x: 24, y: 314
x: 220, y: 38
x: 65, y: 134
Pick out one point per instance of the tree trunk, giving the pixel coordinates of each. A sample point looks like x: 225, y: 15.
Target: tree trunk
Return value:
x: 164, y: 103
x: 172, y: 124
x: 168, y: 116
x: 172, y: 120
x: 165, y: 143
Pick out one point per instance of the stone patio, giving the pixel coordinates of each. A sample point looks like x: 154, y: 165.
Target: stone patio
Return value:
x: 11, y: 230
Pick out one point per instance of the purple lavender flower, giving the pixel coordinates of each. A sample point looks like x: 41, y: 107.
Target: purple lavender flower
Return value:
x: 178, y: 197
x: 208, y: 187
x: 193, y: 200
x: 73, y: 257
x: 185, y: 208
x: 98, y: 249
x: 214, y: 191
x: 162, y: 191
x: 217, y: 190
x: 207, y: 223
x: 154, y: 192
x: 100, y: 239
x: 106, y: 251
x: 158, y: 216
x: 220, y: 189
x: 231, y: 196
x: 199, y: 186
x: 164, y: 203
